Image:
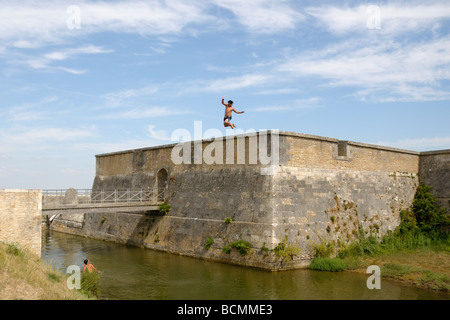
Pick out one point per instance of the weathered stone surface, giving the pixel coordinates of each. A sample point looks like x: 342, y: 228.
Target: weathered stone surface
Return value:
x: 21, y: 217
x: 70, y: 197
x: 321, y: 189
x: 435, y: 172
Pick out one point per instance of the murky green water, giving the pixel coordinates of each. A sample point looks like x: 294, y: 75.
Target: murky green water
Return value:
x: 136, y: 273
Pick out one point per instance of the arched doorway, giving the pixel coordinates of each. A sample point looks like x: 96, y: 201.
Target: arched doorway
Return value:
x: 161, y: 184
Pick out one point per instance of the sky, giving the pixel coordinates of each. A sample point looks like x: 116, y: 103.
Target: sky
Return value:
x: 81, y: 78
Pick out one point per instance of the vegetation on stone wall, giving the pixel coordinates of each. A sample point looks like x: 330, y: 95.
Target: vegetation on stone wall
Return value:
x: 286, y: 249
x: 164, y: 208
x: 423, y: 228
x: 243, y: 247
x: 208, y: 243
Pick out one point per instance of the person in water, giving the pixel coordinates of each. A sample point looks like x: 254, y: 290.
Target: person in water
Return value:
x: 89, y: 267
x: 228, y: 110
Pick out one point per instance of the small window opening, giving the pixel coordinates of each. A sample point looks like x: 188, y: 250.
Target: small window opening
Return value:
x: 342, y: 148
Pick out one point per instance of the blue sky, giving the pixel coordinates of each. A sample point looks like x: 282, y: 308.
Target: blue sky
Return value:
x: 80, y: 78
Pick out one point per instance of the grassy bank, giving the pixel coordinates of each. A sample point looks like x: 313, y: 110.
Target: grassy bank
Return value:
x: 24, y: 277
x: 424, y: 267
x: 417, y: 252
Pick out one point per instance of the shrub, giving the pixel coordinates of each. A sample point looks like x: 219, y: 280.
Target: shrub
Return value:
x: 228, y: 220
x: 226, y: 249
x: 208, y: 243
x: 420, y: 226
x: 430, y: 218
x: 323, y: 250
x: 289, y: 250
x: 242, y: 246
x: 264, y: 248
x: 328, y: 264
x: 90, y: 285
x: 164, y: 208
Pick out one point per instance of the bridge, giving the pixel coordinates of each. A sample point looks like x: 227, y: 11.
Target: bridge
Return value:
x: 59, y: 201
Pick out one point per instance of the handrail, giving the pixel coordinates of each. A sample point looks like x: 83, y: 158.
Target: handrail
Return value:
x: 60, y: 197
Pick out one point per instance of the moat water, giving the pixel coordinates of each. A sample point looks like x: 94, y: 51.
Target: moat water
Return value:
x: 130, y: 273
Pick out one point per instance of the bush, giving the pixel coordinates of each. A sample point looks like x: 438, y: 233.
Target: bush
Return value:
x: 164, y: 208
x: 228, y: 220
x: 367, y: 246
x: 226, y: 249
x: 289, y: 250
x: 323, y: 249
x: 208, y: 243
x: 328, y: 264
x: 242, y: 246
x: 90, y: 285
x: 422, y: 225
x: 430, y: 218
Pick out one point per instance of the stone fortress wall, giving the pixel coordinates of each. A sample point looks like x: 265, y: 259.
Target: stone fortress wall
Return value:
x: 20, y: 218
x: 313, y: 190
x: 434, y: 170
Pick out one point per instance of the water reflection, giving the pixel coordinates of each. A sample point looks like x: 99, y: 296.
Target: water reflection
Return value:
x: 136, y: 273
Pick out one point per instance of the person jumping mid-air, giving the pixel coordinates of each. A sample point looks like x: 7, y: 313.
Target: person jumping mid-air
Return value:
x: 228, y: 110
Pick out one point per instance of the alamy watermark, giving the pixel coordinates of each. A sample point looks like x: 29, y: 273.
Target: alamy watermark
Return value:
x: 74, y: 19
x: 262, y: 147
x: 374, y: 281
x: 74, y: 280
x: 374, y: 19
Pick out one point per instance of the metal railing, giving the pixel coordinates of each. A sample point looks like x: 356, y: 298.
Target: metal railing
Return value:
x: 60, y: 197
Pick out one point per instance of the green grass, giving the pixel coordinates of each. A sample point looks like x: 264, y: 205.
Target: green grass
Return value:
x: 243, y: 247
x: 23, y: 276
x: 417, y: 252
x: 164, y: 208
x: 419, y: 276
x: 328, y: 264
x: 208, y: 243
x: 90, y: 284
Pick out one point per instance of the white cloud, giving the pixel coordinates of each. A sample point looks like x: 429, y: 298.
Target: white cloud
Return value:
x: 33, y: 24
x: 309, y: 103
x: 23, y: 139
x: 394, y: 69
x: 419, y: 144
x: 160, y: 135
x: 393, y: 17
x: 141, y: 113
x: 69, y: 53
x: 31, y: 111
x: 124, y: 97
x: 47, y: 61
x: 263, y: 16
x: 149, y: 17
x: 235, y: 83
